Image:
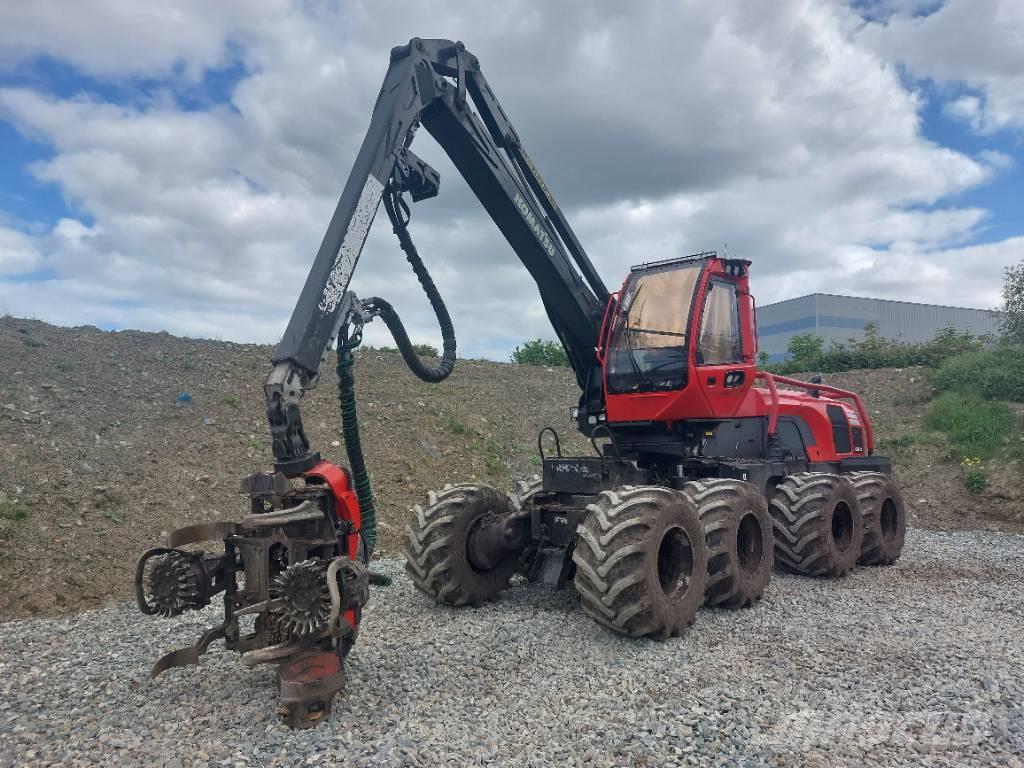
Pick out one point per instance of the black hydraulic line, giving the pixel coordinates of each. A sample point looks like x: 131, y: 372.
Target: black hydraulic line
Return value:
x: 395, y: 207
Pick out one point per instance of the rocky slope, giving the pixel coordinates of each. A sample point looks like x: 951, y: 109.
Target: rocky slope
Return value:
x: 98, y: 457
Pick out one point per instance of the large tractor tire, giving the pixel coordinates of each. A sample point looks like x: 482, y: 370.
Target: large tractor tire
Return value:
x: 818, y: 525
x: 436, y: 550
x: 885, y: 517
x: 738, y: 534
x: 641, y: 561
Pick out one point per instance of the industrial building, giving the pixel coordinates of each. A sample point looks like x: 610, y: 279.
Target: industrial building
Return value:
x: 841, y: 318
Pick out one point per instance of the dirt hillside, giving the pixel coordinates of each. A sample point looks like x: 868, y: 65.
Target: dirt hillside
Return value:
x: 98, y: 457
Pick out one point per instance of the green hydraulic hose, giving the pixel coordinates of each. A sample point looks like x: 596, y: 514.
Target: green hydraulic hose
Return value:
x: 395, y: 207
x: 353, y: 446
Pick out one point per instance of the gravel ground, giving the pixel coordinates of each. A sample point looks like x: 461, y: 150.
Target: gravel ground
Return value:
x: 919, y: 664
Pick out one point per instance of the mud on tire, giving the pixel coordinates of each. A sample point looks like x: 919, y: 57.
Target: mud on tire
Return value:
x: 885, y: 517
x: 641, y: 561
x: 818, y: 526
x: 738, y: 534
x: 436, y: 556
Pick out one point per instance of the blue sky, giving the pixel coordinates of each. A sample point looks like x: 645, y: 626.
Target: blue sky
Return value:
x: 176, y: 171
x: 1002, y: 196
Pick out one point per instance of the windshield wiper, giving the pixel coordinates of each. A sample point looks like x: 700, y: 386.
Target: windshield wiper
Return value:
x: 666, y: 364
x: 637, y: 371
x: 638, y: 329
x: 644, y: 383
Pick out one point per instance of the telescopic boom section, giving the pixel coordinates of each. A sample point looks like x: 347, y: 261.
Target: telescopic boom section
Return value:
x: 427, y: 83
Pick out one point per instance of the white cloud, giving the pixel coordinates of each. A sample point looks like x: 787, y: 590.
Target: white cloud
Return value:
x: 663, y: 130
x: 117, y: 38
x: 977, y: 44
x: 960, y: 276
x: 18, y: 253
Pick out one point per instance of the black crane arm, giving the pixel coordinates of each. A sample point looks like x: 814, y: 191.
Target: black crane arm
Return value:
x: 427, y: 83
x: 417, y: 89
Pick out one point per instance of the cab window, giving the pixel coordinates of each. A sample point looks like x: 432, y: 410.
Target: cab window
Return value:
x: 647, y: 351
x: 720, y: 340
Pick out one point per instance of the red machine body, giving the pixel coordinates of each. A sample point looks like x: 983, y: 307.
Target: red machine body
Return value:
x: 679, y: 344
x: 346, y: 507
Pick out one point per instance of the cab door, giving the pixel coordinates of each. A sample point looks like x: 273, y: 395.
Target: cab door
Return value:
x: 724, y: 367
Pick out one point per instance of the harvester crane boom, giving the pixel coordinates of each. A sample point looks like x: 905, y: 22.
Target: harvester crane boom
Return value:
x: 427, y: 84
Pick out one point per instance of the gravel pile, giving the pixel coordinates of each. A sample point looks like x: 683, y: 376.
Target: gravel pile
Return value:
x: 919, y: 664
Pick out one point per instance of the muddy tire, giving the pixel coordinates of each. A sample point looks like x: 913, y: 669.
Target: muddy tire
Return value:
x: 641, y: 561
x: 436, y: 555
x: 885, y: 517
x: 818, y: 526
x: 527, y: 489
x: 739, y: 539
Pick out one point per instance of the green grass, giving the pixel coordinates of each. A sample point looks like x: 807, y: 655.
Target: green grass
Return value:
x: 976, y: 428
x: 492, y: 455
x: 14, y: 510
x: 456, y: 427
x: 232, y: 401
x: 974, y: 476
x: 899, y: 442
x: 33, y: 342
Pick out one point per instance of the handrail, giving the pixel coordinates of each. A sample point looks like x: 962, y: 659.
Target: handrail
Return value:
x: 773, y: 418
x: 773, y: 413
x: 602, y: 339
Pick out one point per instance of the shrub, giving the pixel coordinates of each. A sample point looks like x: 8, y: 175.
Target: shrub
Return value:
x: 540, y: 352
x: 974, y: 475
x: 874, y: 351
x: 996, y: 373
x: 426, y: 350
x: 975, y: 427
x: 806, y: 347
x: 1011, y: 322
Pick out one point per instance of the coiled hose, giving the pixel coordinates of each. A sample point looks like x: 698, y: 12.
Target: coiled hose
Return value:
x: 398, y: 213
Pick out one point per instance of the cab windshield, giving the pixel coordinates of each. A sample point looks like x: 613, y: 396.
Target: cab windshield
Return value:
x: 647, y: 346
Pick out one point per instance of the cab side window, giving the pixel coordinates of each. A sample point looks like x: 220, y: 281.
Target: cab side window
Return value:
x: 720, y: 340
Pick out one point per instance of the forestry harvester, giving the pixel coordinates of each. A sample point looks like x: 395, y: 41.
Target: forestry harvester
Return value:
x: 705, y: 470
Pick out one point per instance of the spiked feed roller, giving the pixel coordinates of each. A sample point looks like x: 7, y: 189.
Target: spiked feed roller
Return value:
x: 301, y: 599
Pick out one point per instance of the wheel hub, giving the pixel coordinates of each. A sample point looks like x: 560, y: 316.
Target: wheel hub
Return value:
x: 842, y: 526
x: 675, y: 562
x: 888, y: 520
x: 749, y: 543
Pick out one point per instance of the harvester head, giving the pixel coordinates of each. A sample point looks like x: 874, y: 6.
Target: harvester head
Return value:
x: 293, y: 579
